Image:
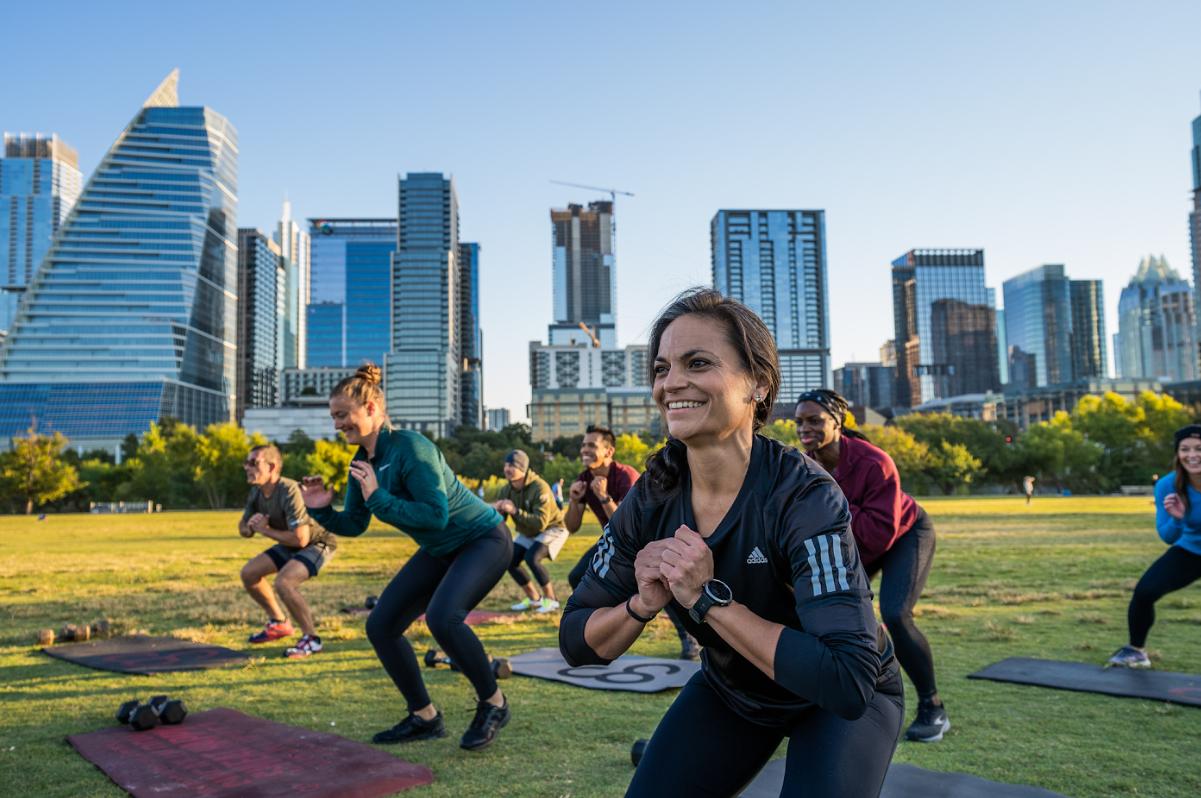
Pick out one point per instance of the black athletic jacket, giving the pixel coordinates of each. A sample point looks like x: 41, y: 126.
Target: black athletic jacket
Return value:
x: 786, y: 550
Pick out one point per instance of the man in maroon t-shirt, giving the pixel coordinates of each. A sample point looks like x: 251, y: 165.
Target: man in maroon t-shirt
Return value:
x: 600, y: 487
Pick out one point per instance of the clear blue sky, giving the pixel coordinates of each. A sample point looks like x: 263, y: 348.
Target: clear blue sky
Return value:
x: 1042, y: 132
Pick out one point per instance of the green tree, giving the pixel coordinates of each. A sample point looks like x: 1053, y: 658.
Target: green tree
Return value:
x: 331, y: 461
x: 631, y: 450
x: 984, y: 441
x: 1057, y: 454
x: 783, y: 430
x: 953, y: 467
x: 220, y: 452
x: 35, y: 471
x: 166, y: 467
x: 912, y: 457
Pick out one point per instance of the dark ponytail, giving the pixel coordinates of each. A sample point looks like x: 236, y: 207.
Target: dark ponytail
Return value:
x: 756, y: 348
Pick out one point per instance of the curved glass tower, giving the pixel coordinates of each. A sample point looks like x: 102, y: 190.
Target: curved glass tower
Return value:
x: 132, y: 314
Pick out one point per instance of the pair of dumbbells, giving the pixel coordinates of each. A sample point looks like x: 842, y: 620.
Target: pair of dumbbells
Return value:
x: 501, y: 668
x: 159, y: 709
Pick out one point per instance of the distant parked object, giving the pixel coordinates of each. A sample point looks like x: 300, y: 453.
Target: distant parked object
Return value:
x: 124, y: 507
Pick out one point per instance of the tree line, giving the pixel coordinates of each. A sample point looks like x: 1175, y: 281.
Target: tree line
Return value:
x: 1105, y: 442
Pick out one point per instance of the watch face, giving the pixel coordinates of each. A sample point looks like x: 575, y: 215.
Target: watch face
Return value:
x: 719, y: 591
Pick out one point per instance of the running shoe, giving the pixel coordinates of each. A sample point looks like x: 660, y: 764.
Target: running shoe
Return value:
x: 689, y: 649
x: 547, y: 605
x: 410, y: 729
x: 523, y: 605
x: 306, y: 647
x: 929, y: 725
x: 274, y: 630
x: 488, y: 722
x: 1129, y: 657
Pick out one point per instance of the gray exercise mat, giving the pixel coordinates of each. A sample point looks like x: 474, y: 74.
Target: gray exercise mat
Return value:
x: 1177, y: 688
x: 909, y: 781
x: 628, y: 672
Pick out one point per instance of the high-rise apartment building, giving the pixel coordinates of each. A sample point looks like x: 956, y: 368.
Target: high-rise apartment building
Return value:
x: 424, y: 373
x: 39, y: 183
x: 1038, y: 327
x: 584, y: 275
x: 133, y: 313
x: 1090, y: 360
x: 945, y: 326
x: 866, y: 384
x: 1156, y: 336
x: 262, y: 294
x: 294, y: 247
x: 348, y: 319
x: 471, y: 338
x: 498, y: 418
x: 775, y: 263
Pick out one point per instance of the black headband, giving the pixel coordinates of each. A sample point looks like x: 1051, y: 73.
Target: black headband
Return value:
x: 829, y: 403
x: 1190, y: 431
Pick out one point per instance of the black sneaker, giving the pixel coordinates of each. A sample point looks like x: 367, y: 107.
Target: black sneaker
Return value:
x: 488, y: 721
x: 929, y: 725
x: 410, y: 729
x: 690, y: 649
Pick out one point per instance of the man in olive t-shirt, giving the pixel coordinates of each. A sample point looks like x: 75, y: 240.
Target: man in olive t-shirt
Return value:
x: 275, y: 509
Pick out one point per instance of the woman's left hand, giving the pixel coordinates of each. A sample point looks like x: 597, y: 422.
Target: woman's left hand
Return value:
x: 687, y: 564
x: 364, y: 474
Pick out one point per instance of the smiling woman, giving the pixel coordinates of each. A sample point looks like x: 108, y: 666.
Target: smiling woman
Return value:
x: 750, y: 541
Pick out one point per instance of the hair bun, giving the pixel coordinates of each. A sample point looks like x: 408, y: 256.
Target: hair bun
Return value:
x: 370, y: 373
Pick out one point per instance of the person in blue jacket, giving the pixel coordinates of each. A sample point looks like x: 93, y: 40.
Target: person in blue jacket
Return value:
x: 401, y: 478
x: 1178, y: 521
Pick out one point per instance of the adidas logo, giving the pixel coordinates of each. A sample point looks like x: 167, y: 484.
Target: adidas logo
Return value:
x: 756, y: 558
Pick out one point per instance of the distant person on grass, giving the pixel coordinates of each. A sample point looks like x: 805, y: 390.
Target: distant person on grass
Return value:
x: 401, y: 478
x: 600, y: 487
x: 1028, y: 488
x: 1178, y: 521
x: 752, y: 540
x: 275, y: 510
x: 527, y: 499
x: 895, y: 538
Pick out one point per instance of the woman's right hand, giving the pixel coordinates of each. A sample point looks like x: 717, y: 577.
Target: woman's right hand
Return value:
x: 314, y: 493
x: 1173, y: 506
x: 653, y: 593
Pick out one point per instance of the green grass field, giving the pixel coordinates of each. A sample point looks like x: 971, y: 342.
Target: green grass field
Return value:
x: 1050, y: 580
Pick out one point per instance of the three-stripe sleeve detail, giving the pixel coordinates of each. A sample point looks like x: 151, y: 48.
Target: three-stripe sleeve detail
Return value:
x: 827, y: 570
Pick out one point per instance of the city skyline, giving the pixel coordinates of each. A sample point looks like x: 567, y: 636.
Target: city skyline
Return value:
x: 1008, y: 156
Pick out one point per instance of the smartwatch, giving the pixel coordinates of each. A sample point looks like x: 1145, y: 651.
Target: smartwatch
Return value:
x: 714, y: 593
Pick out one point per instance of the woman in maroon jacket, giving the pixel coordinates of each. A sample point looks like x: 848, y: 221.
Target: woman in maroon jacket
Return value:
x: 894, y: 534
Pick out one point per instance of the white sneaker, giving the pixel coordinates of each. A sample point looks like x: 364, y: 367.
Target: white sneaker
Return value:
x: 523, y: 605
x: 547, y: 605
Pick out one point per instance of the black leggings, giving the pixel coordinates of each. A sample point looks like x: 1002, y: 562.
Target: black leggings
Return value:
x: 533, y: 557
x: 444, y: 588
x: 704, y: 748
x: 1177, y: 568
x: 905, y: 568
x: 577, y: 575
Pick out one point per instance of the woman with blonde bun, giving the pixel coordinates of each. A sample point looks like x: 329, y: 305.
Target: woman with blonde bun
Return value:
x: 401, y: 478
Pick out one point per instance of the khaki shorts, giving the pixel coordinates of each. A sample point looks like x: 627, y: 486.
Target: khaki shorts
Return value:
x: 552, y: 538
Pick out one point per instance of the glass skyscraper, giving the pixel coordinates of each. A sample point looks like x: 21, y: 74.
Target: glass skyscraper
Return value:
x: 1090, y: 360
x: 1156, y: 335
x: 133, y: 313
x: 294, y: 248
x: 775, y: 263
x: 348, y: 318
x: 1038, y: 323
x: 1194, y: 217
x: 262, y: 295
x: 425, y: 370
x: 945, y: 326
x: 584, y: 274
x: 39, y: 183
x: 471, y: 338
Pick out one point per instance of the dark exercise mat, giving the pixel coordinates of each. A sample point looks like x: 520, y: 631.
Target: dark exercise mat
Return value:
x: 145, y: 655
x: 909, y: 781
x: 1178, y: 688
x: 628, y: 672
x: 222, y: 753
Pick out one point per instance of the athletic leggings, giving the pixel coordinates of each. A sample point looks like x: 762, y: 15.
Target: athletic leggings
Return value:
x: 704, y: 748
x: 577, y: 575
x: 533, y: 557
x: 905, y: 567
x: 1177, y: 568
x: 445, y: 588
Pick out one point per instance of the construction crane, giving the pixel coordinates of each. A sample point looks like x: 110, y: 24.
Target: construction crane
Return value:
x: 596, y: 344
x: 612, y: 192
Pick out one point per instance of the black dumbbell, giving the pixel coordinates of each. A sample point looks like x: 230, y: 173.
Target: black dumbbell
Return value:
x: 137, y: 716
x: 170, y: 711
x: 636, y: 752
x: 370, y: 602
x: 501, y: 668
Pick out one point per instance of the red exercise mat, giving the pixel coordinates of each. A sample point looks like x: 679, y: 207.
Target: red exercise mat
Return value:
x: 222, y: 753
